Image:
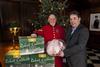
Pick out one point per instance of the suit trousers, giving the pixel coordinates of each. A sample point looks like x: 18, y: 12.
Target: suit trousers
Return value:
x: 77, y: 60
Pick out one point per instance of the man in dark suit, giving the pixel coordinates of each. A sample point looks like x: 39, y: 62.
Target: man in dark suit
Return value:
x: 76, y: 40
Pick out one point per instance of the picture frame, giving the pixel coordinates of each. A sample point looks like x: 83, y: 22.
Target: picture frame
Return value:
x: 95, y: 22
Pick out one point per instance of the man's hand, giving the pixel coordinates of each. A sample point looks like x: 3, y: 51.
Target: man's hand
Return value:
x: 61, y: 54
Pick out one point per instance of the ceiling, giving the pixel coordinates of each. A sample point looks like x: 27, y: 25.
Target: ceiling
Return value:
x: 84, y: 4
x: 79, y: 4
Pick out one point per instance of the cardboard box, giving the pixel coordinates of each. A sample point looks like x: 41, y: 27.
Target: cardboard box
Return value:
x: 33, y: 60
x: 42, y: 60
x: 29, y: 45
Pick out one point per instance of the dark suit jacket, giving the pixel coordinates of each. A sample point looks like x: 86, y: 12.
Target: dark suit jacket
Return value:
x: 75, y: 50
x: 76, y: 42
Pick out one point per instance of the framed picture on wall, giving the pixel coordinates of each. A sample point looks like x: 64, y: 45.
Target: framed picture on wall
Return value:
x: 95, y: 22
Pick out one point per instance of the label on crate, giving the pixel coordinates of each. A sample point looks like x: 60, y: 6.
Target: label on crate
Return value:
x: 23, y: 59
x: 42, y: 60
x: 30, y: 45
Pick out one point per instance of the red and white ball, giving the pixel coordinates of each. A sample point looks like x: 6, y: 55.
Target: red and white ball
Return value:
x: 54, y: 47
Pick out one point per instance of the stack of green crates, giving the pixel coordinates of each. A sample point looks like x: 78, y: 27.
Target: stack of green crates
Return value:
x: 32, y: 54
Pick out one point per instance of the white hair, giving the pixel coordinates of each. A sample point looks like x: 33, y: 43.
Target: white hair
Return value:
x: 52, y: 15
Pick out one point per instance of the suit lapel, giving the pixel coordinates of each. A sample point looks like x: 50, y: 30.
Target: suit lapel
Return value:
x: 69, y: 34
x: 75, y: 32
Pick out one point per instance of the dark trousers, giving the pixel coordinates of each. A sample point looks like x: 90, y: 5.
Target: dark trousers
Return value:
x: 77, y: 60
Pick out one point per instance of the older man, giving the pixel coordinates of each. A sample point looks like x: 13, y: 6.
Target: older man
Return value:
x: 52, y: 31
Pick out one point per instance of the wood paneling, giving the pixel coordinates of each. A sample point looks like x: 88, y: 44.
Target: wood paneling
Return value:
x: 19, y: 11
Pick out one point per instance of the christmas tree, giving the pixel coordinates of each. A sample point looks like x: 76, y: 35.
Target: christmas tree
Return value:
x: 50, y: 6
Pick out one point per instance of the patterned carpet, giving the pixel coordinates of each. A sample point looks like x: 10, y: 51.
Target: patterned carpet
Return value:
x: 93, y: 57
